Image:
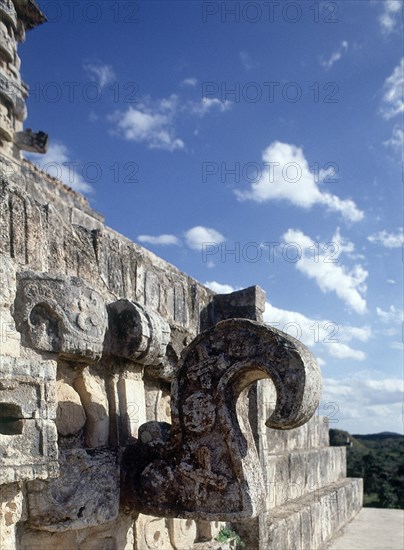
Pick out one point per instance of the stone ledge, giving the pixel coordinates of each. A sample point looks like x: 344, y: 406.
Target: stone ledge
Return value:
x: 290, y: 475
x: 309, y: 522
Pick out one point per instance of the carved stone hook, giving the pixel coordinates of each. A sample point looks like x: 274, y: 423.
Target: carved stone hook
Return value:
x: 205, y: 465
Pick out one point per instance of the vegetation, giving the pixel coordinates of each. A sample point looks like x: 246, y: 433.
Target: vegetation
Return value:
x: 378, y: 459
x: 227, y: 535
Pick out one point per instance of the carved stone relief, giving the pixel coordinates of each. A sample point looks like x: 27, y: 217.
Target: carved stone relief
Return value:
x: 136, y: 333
x: 60, y: 314
x: 204, y: 465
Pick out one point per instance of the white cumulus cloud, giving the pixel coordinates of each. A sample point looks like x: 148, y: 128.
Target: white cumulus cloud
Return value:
x: 343, y: 351
x: 220, y: 288
x: 361, y: 403
x: 207, y: 104
x: 327, y: 334
x: 393, y: 103
x: 388, y: 240
x: 396, y: 141
x: 152, y: 124
x: 390, y: 18
x: 335, y: 56
x: 287, y: 177
x: 191, y: 81
x: 164, y: 239
x: 392, y: 315
x: 199, y: 235
x: 326, y: 268
x: 103, y: 74
x: 57, y: 163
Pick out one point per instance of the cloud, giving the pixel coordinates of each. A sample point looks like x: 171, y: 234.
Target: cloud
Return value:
x: 287, y: 176
x: 392, y: 315
x: 335, y: 56
x: 195, y: 238
x: 363, y: 404
x: 207, y: 104
x: 330, y: 336
x: 148, y: 123
x: 396, y: 141
x: 366, y: 392
x: 343, y: 351
x: 199, y: 235
x: 325, y: 267
x: 388, y: 240
x: 247, y: 61
x: 189, y: 82
x: 220, y: 288
x: 397, y: 345
x: 391, y: 16
x: 58, y: 164
x: 103, y: 74
x: 393, y: 103
x: 159, y: 239
x: 153, y: 122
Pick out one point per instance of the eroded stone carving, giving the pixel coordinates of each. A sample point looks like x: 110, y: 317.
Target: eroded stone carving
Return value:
x: 36, y: 142
x: 204, y: 465
x: 71, y: 323
x: 28, y: 438
x: 62, y: 504
x: 136, y: 333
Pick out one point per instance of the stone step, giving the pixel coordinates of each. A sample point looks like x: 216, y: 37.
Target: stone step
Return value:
x: 308, y: 523
x: 289, y: 476
x: 313, y: 434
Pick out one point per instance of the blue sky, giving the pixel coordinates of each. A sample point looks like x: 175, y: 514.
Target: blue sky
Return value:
x: 247, y: 143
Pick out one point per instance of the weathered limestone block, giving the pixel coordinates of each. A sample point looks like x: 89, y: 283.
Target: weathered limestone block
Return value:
x: 136, y: 333
x: 10, y: 338
x: 111, y: 535
x: 31, y: 539
x: 91, y: 389
x: 307, y: 522
x: 11, y: 511
x: 205, y: 466
x: 182, y: 533
x: 157, y: 403
x: 248, y: 303
x: 28, y: 438
x: 132, y: 405
x: 151, y: 533
x: 86, y: 492
x: 60, y: 314
x: 70, y: 415
x: 312, y: 434
x: 31, y: 454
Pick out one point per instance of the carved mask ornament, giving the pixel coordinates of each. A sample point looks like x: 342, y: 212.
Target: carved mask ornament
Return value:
x: 205, y: 465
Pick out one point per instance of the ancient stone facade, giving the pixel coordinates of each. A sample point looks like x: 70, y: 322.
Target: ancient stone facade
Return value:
x: 16, y: 17
x: 130, y: 412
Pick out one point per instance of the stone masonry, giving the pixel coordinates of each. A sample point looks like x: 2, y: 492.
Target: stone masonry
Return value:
x: 139, y: 410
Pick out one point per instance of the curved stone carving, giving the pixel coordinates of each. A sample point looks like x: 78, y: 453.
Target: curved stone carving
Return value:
x: 60, y: 314
x: 136, y: 333
x: 204, y: 465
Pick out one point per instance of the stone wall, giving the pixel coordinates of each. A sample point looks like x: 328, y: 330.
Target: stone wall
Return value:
x: 71, y: 399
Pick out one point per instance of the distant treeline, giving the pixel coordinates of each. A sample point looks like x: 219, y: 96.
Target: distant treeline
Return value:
x: 379, y: 460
